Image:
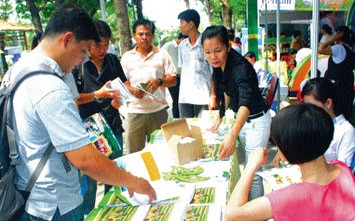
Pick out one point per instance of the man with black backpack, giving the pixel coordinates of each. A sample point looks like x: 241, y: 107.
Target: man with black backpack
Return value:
x: 45, y: 118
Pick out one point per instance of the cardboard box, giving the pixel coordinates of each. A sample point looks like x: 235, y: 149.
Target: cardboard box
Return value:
x: 183, y: 153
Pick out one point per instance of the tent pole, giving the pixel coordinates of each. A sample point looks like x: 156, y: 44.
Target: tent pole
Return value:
x: 314, y: 38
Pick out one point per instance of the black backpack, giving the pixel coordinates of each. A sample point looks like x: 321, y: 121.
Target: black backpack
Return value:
x: 11, y: 200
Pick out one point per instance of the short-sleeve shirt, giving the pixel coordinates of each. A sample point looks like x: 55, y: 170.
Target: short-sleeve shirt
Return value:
x: 173, y: 49
x: 139, y: 69
x: 310, y: 201
x: 342, y: 147
x: 195, y: 85
x: 44, y: 112
x: 91, y: 81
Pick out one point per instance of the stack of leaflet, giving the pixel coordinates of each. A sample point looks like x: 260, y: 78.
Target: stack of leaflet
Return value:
x: 101, y: 134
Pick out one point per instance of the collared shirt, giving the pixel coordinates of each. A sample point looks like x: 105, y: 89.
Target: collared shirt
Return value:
x: 173, y: 48
x: 139, y: 69
x: 92, y: 80
x: 195, y: 85
x: 240, y: 83
x: 45, y: 112
x: 342, y: 146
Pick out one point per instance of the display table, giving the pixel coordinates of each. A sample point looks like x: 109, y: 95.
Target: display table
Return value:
x: 205, y: 199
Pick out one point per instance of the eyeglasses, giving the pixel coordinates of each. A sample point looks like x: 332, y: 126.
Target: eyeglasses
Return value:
x: 100, y: 46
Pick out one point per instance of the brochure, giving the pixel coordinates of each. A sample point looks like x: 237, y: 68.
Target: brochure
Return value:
x: 117, y: 84
x: 101, y: 134
x: 122, y: 213
x: 142, y: 87
x: 203, y: 212
x: 278, y: 178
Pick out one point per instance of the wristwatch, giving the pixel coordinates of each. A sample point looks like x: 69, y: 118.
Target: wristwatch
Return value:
x: 160, y: 81
x: 94, y: 96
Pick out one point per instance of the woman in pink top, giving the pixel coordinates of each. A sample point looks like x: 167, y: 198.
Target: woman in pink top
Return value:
x: 303, y: 133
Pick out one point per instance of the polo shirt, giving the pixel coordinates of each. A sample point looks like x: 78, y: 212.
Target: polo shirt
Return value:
x: 44, y: 112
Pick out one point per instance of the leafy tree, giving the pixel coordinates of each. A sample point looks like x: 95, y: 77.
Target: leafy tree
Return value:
x: 5, y: 9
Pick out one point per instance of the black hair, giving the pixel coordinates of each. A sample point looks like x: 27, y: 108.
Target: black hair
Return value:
x: 322, y: 89
x: 70, y: 18
x: 190, y: 15
x: 145, y: 23
x: 36, y: 39
x: 348, y: 35
x: 181, y: 36
x: 237, y: 40
x: 292, y: 51
x: 103, y: 29
x: 302, y: 132
x: 231, y: 34
x: 327, y: 29
x: 297, y: 33
x: 218, y: 31
x: 250, y: 54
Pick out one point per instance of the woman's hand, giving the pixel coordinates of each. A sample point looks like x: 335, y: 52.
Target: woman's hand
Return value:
x: 279, y: 157
x: 258, y: 157
x: 215, y: 125
x: 212, y: 105
x: 227, y: 147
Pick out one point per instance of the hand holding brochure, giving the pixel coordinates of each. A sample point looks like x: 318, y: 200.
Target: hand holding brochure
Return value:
x: 142, y: 87
x: 117, y: 84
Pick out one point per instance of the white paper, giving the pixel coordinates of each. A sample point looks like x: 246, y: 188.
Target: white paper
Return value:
x: 117, y: 84
x: 142, y: 89
x: 165, y: 190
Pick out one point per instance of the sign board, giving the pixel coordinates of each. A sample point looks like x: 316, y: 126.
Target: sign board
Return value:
x: 288, y: 5
x: 305, y: 5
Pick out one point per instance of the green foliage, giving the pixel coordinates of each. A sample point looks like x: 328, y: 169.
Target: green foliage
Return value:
x: 5, y: 9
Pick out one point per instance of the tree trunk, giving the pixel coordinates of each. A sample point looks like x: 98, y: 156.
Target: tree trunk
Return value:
x: 58, y: 3
x: 139, y: 7
x: 227, y: 16
x: 35, y: 14
x: 208, y: 6
x: 123, y: 26
x: 187, y: 3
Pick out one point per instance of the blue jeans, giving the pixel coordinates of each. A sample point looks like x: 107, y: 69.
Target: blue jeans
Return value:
x: 88, y: 185
x: 255, y: 134
x: 76, y: 214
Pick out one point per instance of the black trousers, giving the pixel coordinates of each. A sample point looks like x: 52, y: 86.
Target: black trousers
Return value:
x: 174, y: 92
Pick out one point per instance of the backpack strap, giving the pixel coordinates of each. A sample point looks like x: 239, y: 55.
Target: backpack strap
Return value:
x: 39, y: 168
x: 13, y: 151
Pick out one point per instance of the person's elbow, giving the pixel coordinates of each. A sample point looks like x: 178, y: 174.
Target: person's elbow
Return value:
x: 82, y: 158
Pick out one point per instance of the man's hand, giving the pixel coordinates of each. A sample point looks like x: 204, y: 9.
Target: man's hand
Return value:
x: 107, y: 92
x: 142, y: 186
x: 152, y: 85
x: 116, y: 103
x: 138, y: 93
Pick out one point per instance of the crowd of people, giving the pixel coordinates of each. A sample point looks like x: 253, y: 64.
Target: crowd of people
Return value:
x: 202, y: 71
